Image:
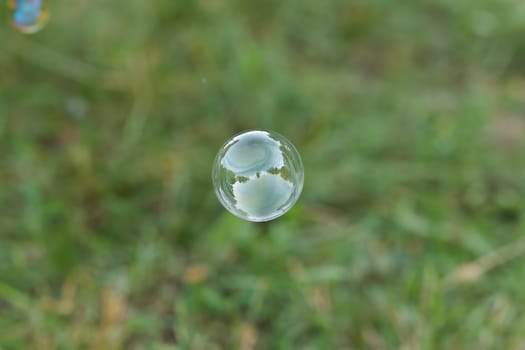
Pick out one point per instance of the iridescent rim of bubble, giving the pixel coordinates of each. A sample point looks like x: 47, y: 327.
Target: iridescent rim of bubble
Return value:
x: 28, y: 16
x: 289, y: 178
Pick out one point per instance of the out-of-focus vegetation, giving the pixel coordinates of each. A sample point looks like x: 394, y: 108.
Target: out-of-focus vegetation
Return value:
x: 409, y: 116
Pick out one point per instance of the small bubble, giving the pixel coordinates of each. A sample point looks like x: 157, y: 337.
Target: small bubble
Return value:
x: 204, y: 80
x: 77, y: 107
x: 484, y: 23
x: 258, y: 175
x: 28, y: 16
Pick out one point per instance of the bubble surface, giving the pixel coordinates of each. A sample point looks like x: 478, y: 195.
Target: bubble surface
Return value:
x: 258, y: 175
x: 28, y: 16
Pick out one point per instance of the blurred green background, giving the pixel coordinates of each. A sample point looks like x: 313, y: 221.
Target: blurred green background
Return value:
x: 410, y: 119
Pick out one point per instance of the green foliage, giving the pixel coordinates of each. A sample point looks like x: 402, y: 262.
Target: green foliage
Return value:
x: 409, y: 116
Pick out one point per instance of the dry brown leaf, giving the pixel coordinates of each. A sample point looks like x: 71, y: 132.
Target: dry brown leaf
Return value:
x: 248, y: 337
x: 195, y: 274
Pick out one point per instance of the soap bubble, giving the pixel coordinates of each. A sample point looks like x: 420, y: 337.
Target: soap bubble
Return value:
x: 258, y: 175
x: 28, y: 16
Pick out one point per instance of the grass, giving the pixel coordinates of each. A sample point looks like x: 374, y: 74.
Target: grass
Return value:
x: 409, y: 233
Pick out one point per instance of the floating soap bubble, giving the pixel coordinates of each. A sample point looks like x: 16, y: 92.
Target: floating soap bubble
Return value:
x: 258, y: 175
x: 28, y: 16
